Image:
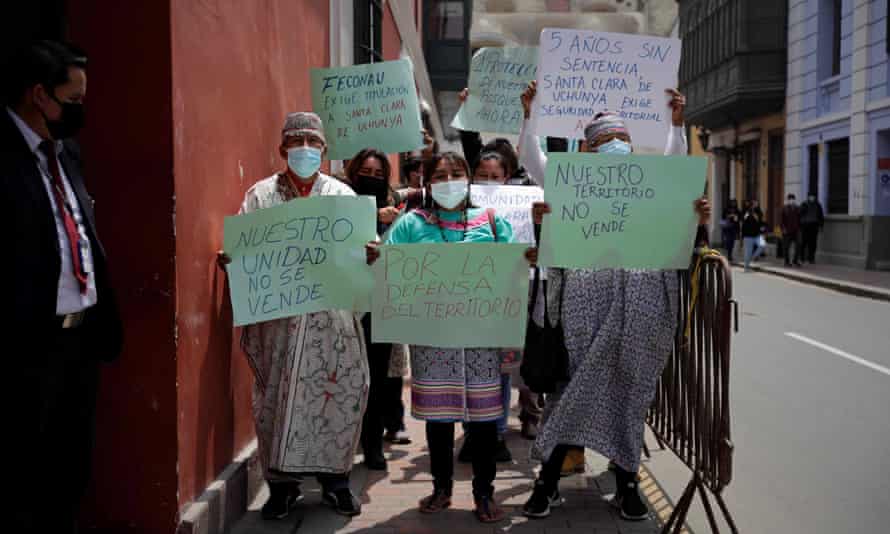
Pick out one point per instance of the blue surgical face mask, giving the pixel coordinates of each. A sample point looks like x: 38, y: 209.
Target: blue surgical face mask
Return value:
x: 304, y: 161
x: 449, y: 194
x: 615, y: 146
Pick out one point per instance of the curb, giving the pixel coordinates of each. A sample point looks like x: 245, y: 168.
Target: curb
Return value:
x: 224, y: 501
x: 850, y: 288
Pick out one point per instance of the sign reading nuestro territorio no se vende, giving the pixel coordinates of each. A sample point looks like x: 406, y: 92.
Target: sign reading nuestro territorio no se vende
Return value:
x: 581, y: 73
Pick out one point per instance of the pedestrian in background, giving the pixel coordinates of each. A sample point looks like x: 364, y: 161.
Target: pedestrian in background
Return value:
x: 791, y: 231
x: 752, y: 233
x: 730, y: 225
x: 812, y: 218
x: 63, y: 319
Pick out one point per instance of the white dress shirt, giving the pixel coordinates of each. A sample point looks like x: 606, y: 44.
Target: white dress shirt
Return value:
x: 69, y: 298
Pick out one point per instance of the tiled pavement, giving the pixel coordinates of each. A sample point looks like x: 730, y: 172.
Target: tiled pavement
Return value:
x: 389, y: 500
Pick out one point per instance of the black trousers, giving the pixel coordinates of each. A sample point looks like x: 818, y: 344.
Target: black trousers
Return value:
x: 378, y: 365
x: 788, y: 241
x: 393, y: 407
x: 550, y: 470
x: 54, y: 411
x: 810, y: 238
x: 440, y: 441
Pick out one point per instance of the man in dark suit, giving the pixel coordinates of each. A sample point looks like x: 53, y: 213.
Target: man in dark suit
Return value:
x: 62, y: 319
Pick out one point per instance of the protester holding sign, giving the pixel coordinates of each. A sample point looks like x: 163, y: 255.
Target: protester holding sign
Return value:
x: 310, y: 371
x: 619, y: 328
x: 451, y: 385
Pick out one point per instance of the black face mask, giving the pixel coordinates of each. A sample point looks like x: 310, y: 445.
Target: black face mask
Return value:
x: 374, y: 187
x: 69, y: 122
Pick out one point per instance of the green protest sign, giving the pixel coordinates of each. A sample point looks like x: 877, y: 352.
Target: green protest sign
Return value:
x: 373, y: 105
x: 497, y: 77
x: 303, y: 256
x: 455, y: 295
x: 628, y: 212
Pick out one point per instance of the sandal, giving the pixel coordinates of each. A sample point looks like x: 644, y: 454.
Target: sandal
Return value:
x: 435, y: 503
x: 488, y: 511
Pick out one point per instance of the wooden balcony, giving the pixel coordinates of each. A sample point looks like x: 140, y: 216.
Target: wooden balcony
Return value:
x: 734, y: 59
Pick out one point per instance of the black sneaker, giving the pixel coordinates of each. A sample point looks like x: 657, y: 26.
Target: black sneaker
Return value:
x: 465, y: 456
x: 502, y: 453
x: 343, y: 502
x: 539, y: 504
x: 628, y: 500
x: 283, y: 498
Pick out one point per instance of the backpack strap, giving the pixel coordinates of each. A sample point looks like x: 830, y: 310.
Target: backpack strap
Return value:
x: 491, y: 222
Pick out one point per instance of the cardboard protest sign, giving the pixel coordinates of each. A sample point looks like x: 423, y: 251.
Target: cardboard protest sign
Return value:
x: 627, y: 212
x: 497, y: 77
x: 303, y: 256
x: 373, y: 105
x: 582, y: 73
x: 513, y: 203
x: 456, y: 295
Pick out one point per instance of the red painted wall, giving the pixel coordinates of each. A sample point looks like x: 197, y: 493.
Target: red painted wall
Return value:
x: 185, y: 105
x: 392, y: 48
x: 238, y: 68
x: 128, y: 153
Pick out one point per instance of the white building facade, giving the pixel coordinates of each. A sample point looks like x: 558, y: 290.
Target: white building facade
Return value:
x: 838, y: 124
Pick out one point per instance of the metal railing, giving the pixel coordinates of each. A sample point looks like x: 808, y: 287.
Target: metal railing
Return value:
x: 690, y: 414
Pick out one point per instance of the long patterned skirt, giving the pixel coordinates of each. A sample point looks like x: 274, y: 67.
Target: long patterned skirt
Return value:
x: 310, y: 391
x: 619, y: 328
x: 449, y: 385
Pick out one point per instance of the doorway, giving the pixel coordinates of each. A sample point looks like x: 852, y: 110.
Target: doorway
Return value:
x: 775, y: 176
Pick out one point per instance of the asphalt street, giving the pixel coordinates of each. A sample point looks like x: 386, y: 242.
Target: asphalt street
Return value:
x: 810, y: 393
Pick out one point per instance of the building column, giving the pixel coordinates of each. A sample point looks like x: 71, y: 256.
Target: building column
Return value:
x: 341, y: 31
x: 733, y: 186
x: 794, y: 178
x: 860, y: 162
x: 823, y: 175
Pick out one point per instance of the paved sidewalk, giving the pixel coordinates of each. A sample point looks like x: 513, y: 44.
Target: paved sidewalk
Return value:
x: 389, y: 500
x: 871, y: 284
